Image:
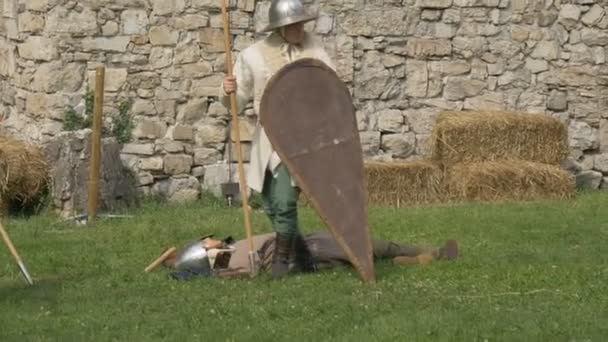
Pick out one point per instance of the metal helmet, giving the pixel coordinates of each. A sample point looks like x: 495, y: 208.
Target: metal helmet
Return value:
x: 287, y: 12
x: 193, y: 258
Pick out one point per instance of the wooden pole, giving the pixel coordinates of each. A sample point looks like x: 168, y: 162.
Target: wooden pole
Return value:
x: 13, y: 250
x: 237, y: 131
x: 159, y: 260
x: 96, y: 143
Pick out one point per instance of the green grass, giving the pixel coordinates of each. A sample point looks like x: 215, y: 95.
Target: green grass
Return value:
x: 528, y: 272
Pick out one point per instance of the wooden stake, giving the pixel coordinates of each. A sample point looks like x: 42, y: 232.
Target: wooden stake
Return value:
x: 237, y: 131
x: 96, y: 143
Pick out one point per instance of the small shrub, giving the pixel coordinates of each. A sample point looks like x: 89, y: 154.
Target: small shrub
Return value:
x: 72, y: 121
x: 123, y: 125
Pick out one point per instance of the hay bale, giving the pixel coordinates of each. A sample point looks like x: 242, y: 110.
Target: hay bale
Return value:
x: 473, y: 136
x: 399, y: 183
x: 508, y: 180
x: 24, y: 171
x: 4, y: 177
x: 403, y: 183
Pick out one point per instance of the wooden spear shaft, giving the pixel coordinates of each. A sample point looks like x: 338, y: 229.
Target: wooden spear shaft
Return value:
x: 160, y: 260
x: 13, y: 250
x: 96, y: 143
x: 237, y: 132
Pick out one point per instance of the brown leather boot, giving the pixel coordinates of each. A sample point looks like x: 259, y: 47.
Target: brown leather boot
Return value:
x: 449, y: 251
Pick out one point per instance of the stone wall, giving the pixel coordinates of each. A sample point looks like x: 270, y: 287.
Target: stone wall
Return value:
x: 404, y: 61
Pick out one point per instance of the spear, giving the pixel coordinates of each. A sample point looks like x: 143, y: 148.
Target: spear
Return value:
x: 13, y: 251
x: 237, y: 131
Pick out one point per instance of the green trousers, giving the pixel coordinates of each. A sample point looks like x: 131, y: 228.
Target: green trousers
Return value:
x: 281, y: 201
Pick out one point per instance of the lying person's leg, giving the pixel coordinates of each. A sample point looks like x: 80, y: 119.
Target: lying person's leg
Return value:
x: 404, y: 253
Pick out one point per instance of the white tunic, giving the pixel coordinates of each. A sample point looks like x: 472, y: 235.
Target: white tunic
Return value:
x: 253, y: 67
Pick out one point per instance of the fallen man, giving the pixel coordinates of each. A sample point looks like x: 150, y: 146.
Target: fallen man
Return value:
x: 209, y: 256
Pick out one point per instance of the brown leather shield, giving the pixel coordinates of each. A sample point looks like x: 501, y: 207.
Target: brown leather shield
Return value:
x: 308, y: 115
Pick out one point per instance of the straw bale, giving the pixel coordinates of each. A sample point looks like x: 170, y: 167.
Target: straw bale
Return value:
x: 398, y: 184
x: 403, y: 183
x: 473, y: 136
x: 24, y: 171
x: 3, y: 173
x: 508, y: 180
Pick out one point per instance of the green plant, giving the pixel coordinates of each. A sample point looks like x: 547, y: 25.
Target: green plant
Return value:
x: 89, y: 104
x: 123, y: 125
x: 72, y: 121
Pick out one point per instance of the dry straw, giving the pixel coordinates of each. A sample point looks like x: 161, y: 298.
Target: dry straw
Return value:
x: 3, y: 173
x: 403, y: 183
x: 24, y: 171
x: 508, y: 180
x: 472, y: 136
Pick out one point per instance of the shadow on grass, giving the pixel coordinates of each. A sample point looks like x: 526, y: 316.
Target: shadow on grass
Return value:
x: 45, y: 289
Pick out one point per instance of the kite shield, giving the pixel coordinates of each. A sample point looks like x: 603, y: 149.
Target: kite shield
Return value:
x: 308, y: 115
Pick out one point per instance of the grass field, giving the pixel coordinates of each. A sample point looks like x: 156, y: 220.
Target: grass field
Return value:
x: 528, y: 272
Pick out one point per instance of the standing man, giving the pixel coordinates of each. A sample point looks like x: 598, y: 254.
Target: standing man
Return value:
x: 287, y: 42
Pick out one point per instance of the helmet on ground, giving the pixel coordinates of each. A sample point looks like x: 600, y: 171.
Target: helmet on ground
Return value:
x: 193, y: 258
